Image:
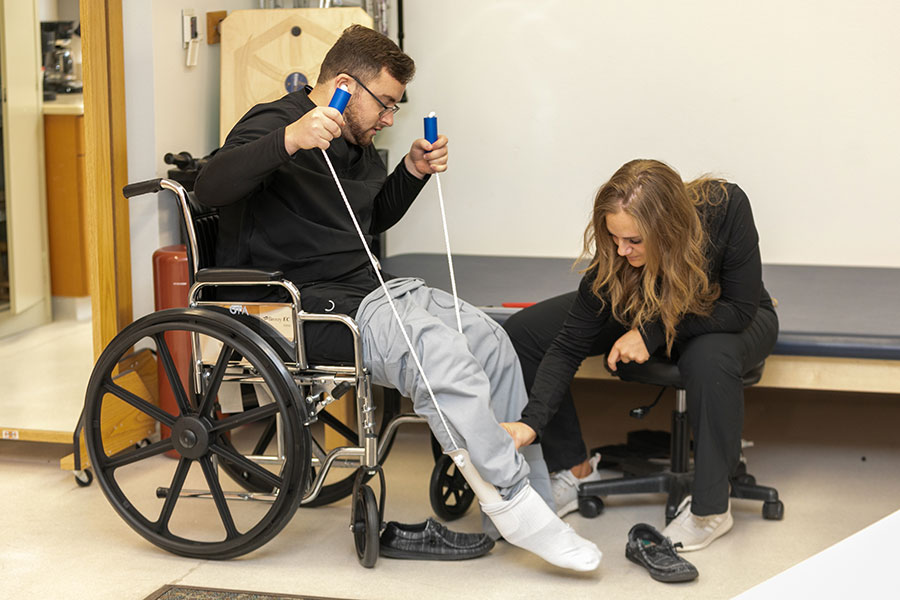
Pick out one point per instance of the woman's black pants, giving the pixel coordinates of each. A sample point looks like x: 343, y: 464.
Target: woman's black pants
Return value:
x: 711, y: 365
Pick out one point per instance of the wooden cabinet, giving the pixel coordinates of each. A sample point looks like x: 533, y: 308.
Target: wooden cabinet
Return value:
x: 64, y: 157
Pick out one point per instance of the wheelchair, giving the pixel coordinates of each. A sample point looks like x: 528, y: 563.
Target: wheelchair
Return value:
x: 251, y: 416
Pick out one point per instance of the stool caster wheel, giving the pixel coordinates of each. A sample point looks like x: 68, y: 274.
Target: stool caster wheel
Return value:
x: 366, y: 527
x: 449, y: 492
x: 773, y: 510
x: 84, y: 478
x: 590, y: 507
x: 745, y: 479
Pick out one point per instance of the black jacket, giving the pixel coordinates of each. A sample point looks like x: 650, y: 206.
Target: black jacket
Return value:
x: 283, y: 212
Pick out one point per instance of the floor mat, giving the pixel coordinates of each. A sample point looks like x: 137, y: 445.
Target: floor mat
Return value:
x: 186, y: 592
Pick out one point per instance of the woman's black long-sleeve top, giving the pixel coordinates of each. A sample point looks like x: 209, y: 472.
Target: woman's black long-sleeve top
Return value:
x: 733, y: 260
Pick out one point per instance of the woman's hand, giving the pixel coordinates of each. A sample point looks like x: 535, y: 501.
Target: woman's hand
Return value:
x: 628, y: 348
x: 521, y: 433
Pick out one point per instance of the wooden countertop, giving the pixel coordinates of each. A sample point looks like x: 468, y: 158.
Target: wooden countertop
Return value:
x: 65, y: 104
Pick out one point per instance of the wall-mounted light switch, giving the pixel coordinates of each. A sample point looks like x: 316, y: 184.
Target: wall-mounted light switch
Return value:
x: 190, y: 35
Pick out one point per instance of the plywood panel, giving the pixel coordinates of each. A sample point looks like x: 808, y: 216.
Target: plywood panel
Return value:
x: 804, y: 373
x: 36, y: 435
x: 261, y: 51
x: 121, y: 425
x: 835, y: 374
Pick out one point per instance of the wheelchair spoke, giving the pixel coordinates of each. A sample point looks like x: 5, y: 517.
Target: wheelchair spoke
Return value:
x: 248, y: 416
x: 132, y: 455
x: 266, y: 438
x: 215, y: 379
x: 247, y: 465
x: 458, y: 480
x: 162, y: 524
x: 216, y: 491
x: 139, y: 403
x: 447, y: 493
x: 199, y: 433
x: 317, y: 450
x: 172, y: 373
x: 338, y: 426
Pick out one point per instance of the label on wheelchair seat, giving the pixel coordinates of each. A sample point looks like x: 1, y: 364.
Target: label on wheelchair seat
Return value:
x: 277, y: 316
x: 280, y: 317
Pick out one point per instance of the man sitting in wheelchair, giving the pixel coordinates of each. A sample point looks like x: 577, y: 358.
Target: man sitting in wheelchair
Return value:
x: 280, y: 210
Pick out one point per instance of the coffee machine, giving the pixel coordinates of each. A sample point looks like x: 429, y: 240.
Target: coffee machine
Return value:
x: 59, y: 68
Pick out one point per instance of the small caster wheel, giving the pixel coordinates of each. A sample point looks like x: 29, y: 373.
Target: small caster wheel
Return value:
x: 84, y: 478
x: 590, y: 507
x: 773, y: 510
x: 449, y: 492
x: 366, y: 527
x: 745, y: 479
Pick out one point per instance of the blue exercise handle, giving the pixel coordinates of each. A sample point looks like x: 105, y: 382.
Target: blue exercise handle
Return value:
x: 340, y: 99
x: 431, y: 133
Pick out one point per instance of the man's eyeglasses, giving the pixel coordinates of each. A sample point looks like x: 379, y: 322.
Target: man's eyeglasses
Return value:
x: 385, y: 108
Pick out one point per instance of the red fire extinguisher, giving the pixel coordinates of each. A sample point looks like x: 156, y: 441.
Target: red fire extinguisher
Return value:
x: 170, y: 290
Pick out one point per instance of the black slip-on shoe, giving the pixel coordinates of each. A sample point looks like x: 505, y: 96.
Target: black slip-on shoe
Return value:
x: 432, y: 541
x: 650, y: 549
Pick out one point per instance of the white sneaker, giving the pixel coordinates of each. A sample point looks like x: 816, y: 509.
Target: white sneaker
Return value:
x: 565, y: 487
x: 695, y: 533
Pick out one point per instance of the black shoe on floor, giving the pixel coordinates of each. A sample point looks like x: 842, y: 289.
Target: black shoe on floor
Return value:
x: 648, y: 548
x: 432, y: 541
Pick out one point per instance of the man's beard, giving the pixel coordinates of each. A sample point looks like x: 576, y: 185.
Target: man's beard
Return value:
x: 361, y: 136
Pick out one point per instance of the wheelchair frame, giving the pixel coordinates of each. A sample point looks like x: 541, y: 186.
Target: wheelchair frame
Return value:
x: 317, y: 386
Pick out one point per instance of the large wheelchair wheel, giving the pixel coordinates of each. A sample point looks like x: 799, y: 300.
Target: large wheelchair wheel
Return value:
x: 201, y: 436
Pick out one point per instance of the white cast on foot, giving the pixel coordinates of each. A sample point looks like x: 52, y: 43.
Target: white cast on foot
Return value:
x: 527, y: 522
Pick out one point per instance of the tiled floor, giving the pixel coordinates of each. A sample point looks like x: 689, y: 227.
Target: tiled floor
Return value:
x: 835, y: 459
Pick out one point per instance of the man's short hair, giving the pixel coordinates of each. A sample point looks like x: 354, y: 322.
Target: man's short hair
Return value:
x: 363, y: 53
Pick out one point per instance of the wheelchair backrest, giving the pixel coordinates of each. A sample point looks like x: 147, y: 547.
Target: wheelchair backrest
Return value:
x: 204, y: 227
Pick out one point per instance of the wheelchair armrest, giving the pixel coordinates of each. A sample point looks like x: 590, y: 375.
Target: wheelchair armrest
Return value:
x: 221, y: 275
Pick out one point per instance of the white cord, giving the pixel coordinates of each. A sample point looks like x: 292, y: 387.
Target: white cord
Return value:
x: 372, y: 260
x: 449, y: 256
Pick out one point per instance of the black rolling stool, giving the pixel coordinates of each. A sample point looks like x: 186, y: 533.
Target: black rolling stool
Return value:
x: 677, y: 477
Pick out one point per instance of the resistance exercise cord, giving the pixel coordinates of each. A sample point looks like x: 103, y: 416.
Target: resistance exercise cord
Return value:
x: 485, y: 491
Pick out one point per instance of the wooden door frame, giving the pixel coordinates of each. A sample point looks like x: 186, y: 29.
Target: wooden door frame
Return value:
x: 106, y: 169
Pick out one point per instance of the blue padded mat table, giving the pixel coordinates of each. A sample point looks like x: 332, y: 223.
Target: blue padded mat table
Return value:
x: 848, y: 312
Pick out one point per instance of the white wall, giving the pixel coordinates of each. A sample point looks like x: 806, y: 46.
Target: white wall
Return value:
x: 795, y: 101
x: 170, y: 107
x: 542, y: 101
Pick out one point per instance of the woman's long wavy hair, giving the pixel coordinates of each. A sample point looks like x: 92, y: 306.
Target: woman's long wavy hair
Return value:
x: 673, y: 281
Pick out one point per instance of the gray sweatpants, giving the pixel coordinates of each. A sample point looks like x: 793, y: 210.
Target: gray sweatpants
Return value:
x: 475, y: 377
